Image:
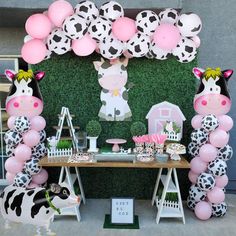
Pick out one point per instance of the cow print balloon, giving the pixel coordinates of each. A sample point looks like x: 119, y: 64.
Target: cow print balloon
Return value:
x: 111, y: 10
x: 199, y: 136
x: 189, y: 24
x: 58, y: 42
x: 193, y: 149
x: 185, y: 50
x: 87, y: 9
x: 210, y: 123
x: 10, y: 151
x: 22, y: 179
x: 191, y: 203
x: 225, y: 153
x: 138, y: 45
x: 147, y: 22
x: 159, y: 53
x: 219, y: 210
x: 22, y: 124
x: 99, y: 29
x: 196, y: 193
x: 169, y: 15
x: 43, y: 135
x: 75, y: 27
x: 206, y: 181
x: 39, y: 151
x: 31, y: 166
x: 111, y: 48
x: 12, y: 138
x: 217, y: 167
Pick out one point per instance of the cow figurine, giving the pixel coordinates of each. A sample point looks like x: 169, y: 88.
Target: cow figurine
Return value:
x: 35, y: 206
x: 24, y: 98
x: 112, y: 77
x: 52, y: 142
x: 212, y: 96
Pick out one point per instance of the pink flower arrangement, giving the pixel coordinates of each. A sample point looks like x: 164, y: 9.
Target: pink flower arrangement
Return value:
x: 158, y: 138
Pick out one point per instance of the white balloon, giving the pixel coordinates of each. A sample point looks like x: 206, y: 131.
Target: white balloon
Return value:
x: 169, y: 15
x: 159, y: 53
x: 189, y: 24
x: 27, y: 38
x: 197, y: 41
x: 111, y: 10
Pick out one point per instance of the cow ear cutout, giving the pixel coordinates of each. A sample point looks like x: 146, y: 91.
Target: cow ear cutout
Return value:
x: 55, y: 188
x: 39, y: 75
x: 97, y: 65
x: 125, y: 61
x: 227, y: 74
x: 10, y: 74
x: 198, y: 72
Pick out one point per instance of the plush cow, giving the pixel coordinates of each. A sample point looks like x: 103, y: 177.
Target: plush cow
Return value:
x: 35, y: 206
x: 112, y: 77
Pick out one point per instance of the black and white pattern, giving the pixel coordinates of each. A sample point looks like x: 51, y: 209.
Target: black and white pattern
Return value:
x: 31, y: 166
x: 217, y: 167
x: 193, y: 149
x: 138, y: 45
x: 185, y: 50
x: 199, y: 136
x: 22, y: 124
x: 169, y: 15
x: 12, y: 138
x: 111, y: 48
x: 58, y: 42
x: 87, y: 9
x: 75, y: 27
x: 196, y: 194
x: 219, y: 210
x: 10, y: 151
x: 43, y: 135
x: 225, y: 153
x: 22, y: 179
x: 210, y: 123
x: 206, y: 181
x: 111, y: 10
x: 100, y: 29
x: 39, y: 151
x: 159, y: 53
x: 191, y: 203
x: 147, y: 22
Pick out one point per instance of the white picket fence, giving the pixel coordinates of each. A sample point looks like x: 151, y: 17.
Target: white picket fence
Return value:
x: 60, y: 152
x: 168, y: 204
x: 172, y: 136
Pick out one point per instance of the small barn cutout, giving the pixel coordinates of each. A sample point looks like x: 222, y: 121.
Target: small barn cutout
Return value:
x: 167, y: 118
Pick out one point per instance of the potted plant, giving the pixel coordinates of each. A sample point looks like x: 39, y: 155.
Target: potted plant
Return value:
x: 93, y: 129
x: 138, y: 129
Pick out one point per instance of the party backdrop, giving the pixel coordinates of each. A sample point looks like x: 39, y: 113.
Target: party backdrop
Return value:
x: 72, y: 82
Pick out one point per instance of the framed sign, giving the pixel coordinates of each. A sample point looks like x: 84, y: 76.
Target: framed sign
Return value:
x: 122, y: 210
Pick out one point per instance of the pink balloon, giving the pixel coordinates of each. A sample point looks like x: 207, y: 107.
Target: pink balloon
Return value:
x: 10, y: 177
x: 13, y: 166
x: 124, y: 28
x: 32, y: 185
x: 226, y: 123
x: 38, y: 26
x: 192, y: 177
x: 197, y: 121
x: 222, y: 181
x: 216, y: 195
x: 166, y: 36
x: 208, y: 153
x: 58, y: 11
x: 84, y: 46
x: 203, y: 210
x: 22, y: 153
x: 33, y: 51
x: 31, y: 138
x: 41, y: 177
x: 219, y: 138
x: 10, y: 122
x: 198, y: 166
x: 38, y: 123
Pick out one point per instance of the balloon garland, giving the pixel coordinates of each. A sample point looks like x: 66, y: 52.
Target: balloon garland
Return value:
x: 25, y: 137
x: 86, y: 29
x: 209, y: 146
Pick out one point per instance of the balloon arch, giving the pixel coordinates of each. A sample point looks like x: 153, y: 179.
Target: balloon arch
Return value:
x: 85, y: 29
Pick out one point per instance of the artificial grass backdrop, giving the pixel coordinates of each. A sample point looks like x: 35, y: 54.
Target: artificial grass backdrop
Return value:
x: 71, y: 81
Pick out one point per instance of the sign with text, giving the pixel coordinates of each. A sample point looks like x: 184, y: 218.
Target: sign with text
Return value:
x: 122, y: 210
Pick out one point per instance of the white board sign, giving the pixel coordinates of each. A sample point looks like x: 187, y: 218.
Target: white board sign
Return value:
x: 122, y: 210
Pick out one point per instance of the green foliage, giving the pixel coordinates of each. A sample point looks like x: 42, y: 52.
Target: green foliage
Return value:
x: 72, y: 81
x: 93, y: 128
x: 63, y: 144
x: 138, y: 128
x: 173, y: 197
x: 176, y: 128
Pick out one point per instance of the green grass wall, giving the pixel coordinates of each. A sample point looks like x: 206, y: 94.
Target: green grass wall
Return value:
x: 72, y: 82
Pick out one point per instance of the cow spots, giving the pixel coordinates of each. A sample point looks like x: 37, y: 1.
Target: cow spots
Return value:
x: 117, y: 112
x: 87, y: 10
x: 16, y: 204
x: 104, y: 103
x: 30, y: 192
x: 6, y: 204
x: 2, y: 194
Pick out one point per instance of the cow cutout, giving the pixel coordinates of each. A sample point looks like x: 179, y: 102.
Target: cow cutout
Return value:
x: 212, y: 96
x: 112, y: 77
x: 35, y: 206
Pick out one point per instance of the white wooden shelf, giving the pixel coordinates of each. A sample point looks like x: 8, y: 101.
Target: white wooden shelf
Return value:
x: 171, y: 188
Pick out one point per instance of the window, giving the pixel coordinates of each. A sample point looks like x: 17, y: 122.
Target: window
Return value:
x: 165, y: 113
